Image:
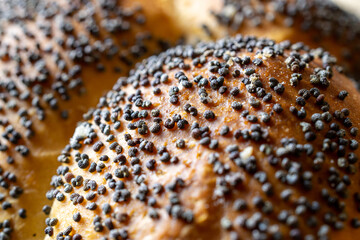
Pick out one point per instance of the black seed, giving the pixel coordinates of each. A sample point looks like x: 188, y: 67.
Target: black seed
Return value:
x: 155, y: 128
x: 151, y: 164
x: 277, y: 108
x: 22, y: 213
x: 209, y: 114
x: 342, y: 94
x: 279, y: 88
x: 236, y: 105
x: 180, y: 143
x: 300, y: 101
x: 97, y: 146
x: 224, y: 130
x: 77, y: 217
x: 46, y: 209
x: 169, y: 123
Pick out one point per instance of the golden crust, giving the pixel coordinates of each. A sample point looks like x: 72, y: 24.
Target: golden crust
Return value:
x: 37, y: 56
x: 54, y: 34
x: 316, y: 23
x: 210, y: 177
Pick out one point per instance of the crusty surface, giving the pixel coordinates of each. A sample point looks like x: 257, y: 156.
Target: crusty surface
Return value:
x: 57, y: 58
x: 317, y: 23
x: 238, y: 139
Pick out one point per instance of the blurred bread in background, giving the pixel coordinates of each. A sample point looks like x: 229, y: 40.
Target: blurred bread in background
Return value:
x: 352, y: 6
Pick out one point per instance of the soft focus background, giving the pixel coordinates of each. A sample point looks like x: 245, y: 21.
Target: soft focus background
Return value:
x: 350, y: 5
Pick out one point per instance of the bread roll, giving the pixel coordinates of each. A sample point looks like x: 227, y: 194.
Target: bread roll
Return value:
x: 243, y: 138
x: 317, y: 23
x: 57, y: 59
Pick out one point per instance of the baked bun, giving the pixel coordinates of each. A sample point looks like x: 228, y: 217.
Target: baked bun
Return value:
x: 238, y: 139
x: 317, y: 23
x: 57, y: 59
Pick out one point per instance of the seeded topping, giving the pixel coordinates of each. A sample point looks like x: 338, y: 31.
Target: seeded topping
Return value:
x: 272, y: 157
x: 317, y: 23
x: 57, y: 58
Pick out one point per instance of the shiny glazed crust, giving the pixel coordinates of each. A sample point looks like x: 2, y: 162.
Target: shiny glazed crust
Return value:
x: 57, y: 59
x: 238, y: 139
x: 317, y: 23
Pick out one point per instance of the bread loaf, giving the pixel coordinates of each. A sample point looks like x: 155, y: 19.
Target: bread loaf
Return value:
x: 317, y: 23
x: 57, y: 59
x: 244, y: 138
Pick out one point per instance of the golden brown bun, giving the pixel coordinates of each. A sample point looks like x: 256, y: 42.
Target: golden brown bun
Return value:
x: 317, y: 23
x: 48, y: 53
x: 238, y: 139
